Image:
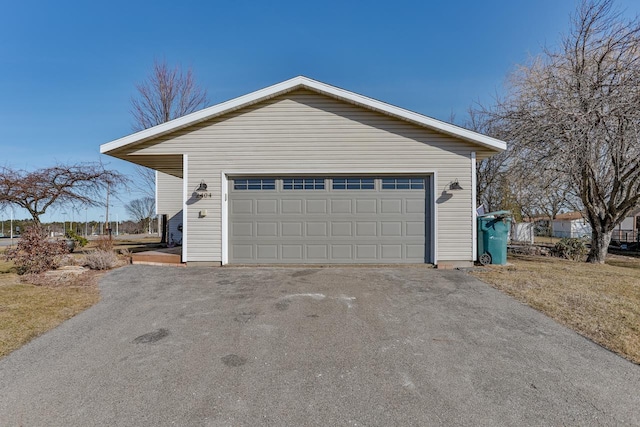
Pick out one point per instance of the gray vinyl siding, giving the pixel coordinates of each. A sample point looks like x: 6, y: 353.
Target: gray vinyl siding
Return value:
x: 305, y: 131
x: 169, y: 202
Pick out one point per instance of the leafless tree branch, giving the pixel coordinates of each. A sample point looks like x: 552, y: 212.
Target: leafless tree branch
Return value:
x: 167, y: 93
x: 80, y: 184
x: 573, y: 115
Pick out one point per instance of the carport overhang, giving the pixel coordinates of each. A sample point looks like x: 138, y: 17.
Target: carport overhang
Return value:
x: 171, y: 164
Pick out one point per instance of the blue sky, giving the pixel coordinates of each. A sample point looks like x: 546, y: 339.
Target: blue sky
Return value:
x: 68, y: 68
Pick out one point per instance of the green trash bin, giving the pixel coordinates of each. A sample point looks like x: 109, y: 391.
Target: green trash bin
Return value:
x: 493, y: 232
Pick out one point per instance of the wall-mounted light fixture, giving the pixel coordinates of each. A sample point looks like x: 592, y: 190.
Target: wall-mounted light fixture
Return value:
x: 455, y: 185
x: 201, y: 192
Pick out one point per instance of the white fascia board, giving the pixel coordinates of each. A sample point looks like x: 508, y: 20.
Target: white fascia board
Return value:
x: 303, y: 82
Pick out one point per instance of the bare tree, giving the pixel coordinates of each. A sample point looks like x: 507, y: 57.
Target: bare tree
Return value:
x: 168, y: 93
x: 142, y: 210
x: 144, y: 180
x: 60, y: 185
x: 492, y: 173
x: 574, y: 113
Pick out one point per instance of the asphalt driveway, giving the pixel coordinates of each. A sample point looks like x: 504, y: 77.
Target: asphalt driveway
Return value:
x: 312, y: 347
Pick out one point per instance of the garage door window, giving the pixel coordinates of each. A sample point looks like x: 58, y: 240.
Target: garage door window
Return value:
x: 353, y: 183
x: 403, y: 183
x: 254, y: 184
x: 303, y: 184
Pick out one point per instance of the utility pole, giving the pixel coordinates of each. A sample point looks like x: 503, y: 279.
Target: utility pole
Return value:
x: 106, y: 219
x: 12, y: 226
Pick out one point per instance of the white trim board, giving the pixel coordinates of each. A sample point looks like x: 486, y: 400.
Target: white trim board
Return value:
x: 224, y: 203
x: 155, y: 190
x: 185, y: 215
x: 328, y: 172
x: 302, y: 82
x: 434, y: 222
x: 474, y: 207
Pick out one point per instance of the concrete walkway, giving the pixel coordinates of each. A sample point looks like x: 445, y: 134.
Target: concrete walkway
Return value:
x: 312, y: 347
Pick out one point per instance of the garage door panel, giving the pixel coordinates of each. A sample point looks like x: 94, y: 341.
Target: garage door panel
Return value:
x: 267, y: 229
x: 366, y: 206
x: 391, y: 206
x: 366, y: 252
x: 243, y: 252
x: 391, y: 228
x: 318, y: 251
x: 340, y: 206
x: 242, y: 207
x: 415, y: 251
x: 391, y: 252
x: 339, y: 252
x: 341, y: 229
x: 292, y: 252
x: 317, y: 229
x: 304, y: 224
x: 292, y: 229
x: 316, y: 206
x: 242, y: 229
x: 414, y: 228
x: 267, y: 206
x: 291, y: 207
x: 267, y: 252
x: 414, y: 206
x: 366, y: 229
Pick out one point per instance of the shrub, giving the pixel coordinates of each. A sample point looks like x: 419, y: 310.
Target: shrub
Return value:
x: 35, y: 253
x: 100, y: 260
x: 50, y: 280
x: 104, y: 243
x: 80, y: 241
x: 570, y: 248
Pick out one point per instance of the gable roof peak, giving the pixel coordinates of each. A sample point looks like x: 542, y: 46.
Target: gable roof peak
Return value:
x: 316, y: 86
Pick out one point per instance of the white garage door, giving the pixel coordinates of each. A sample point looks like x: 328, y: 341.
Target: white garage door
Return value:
x: 329, y: 220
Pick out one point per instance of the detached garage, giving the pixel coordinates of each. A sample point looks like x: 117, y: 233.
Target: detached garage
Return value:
x: 304, y: 172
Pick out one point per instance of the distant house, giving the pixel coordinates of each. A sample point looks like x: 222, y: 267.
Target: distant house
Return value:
x: 570, y: 224
x: 627, y: 230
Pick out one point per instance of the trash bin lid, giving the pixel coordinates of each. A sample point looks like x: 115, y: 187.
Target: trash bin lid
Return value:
x: 496, y: 214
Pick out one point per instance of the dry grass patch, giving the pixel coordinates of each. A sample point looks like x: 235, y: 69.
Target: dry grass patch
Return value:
x: 601, y: 302
x: 134, y: 243
x: 5, y: 266
x: 27, y: 310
